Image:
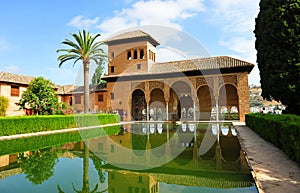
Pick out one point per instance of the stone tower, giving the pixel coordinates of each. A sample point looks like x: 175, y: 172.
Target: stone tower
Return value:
x: 131, y: 52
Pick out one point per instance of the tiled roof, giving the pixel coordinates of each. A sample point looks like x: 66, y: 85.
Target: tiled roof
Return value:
x: 93, y: 88
x: 66, y: 89
x: 132, y: 35
x: 220, y: 62
x: 15, y: 78
x: 197, y: 66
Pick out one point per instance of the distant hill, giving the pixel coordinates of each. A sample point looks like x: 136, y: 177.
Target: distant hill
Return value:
x: 257, y: 100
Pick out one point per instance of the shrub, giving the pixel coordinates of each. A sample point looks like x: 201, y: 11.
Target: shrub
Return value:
x: 281, y: 130
x: 4, y: 103
x: 30, y: 124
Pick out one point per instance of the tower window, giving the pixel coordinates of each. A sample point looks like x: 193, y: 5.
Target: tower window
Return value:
x: 129, y: 55
x: 135, y: 54
x: 141, y: 54
x: 112, y: 69
x: 138, y: 66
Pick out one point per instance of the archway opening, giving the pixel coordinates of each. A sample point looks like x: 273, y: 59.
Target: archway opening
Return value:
x: 228, y: 98
x: 157, y: 105
x: 206, y: 102
x: 139, y: 106
x: 180, y: 100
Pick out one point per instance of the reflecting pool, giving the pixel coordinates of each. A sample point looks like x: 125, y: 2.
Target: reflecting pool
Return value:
x: 130, y: 158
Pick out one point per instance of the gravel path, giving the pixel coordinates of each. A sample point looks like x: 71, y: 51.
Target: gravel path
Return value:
x: 273, y: 170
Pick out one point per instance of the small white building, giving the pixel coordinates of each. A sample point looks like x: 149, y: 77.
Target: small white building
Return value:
x: 12, y: 86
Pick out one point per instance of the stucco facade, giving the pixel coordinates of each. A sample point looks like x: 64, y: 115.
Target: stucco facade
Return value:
x: 141, y: 89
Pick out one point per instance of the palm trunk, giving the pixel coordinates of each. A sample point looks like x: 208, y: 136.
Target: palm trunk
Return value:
x: 86, y: 67
x: 85, y: 186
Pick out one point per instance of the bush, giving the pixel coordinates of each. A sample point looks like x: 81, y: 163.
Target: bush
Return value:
x: 4, y: 103
x: 45, y: 141
x: 30, y: 124
x: 281, y: 130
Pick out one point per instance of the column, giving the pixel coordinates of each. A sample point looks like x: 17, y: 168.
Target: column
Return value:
x: 217, y: 111
x: 148, y: 111
x: 167, y: 109
x: 195, y: 100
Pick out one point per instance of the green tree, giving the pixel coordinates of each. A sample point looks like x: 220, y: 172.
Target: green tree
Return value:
x: 40, y: 96
x: 277, y: 32
x: 4, y: 103
x: 96, y: 78
x: 84, y: 48
x: 38, y: 166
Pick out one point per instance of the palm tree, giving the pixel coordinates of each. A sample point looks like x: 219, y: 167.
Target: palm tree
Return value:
x: 84, y: 48
x: 85, y: 179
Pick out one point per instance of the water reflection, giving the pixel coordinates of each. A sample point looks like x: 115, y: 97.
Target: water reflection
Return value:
x: 85, y: 178
x: 188, y: 170
x: 38, y: 166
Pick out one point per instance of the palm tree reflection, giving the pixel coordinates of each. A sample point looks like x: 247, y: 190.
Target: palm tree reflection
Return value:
x: 85, y: 179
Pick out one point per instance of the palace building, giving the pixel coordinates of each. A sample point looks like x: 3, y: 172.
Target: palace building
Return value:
x: 139, y: 88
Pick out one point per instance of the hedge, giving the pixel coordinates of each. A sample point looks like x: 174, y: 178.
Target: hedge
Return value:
x: 58, y: 139
x: 31, y: 124
x: 281, y: 130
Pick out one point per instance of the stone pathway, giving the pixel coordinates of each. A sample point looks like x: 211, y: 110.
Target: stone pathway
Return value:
x: 273, y: 170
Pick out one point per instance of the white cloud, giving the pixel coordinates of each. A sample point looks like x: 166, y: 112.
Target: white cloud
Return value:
x: 79, y: 22
x: 11, y: 69
x: 166, y: 54
x: 235, y: 15
x: 241, y: 45
x: 157, y: 12
x: 3, y: 45
x: 236, y: 18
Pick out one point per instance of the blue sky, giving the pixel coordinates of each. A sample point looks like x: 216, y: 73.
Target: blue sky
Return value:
x: 31, y: 31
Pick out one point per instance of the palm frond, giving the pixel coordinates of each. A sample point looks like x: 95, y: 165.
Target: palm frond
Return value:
x: 85, y: 46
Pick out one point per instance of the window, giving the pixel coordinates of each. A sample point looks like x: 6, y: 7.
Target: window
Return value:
x: 141, y: 54
x: 138, y: 66
x: 135, y: 54
x: 70, y: 101
x: 112, y: 96
x: 78, y: 99
x: 100, y: 98
x: 112, y: 69
x: 14, y: 91
x: 129, y: 55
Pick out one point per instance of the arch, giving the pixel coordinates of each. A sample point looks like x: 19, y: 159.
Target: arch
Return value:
x: 180, y: 97
x: 206, y: 101
x: 228, y: 97
x: 135, y: 54
x: 142, y: 54
x: 139, y: 105
x: 129, y: 55
x: 157, y: 105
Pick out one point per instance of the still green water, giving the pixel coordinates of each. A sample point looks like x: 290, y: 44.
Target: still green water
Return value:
x: 133, y: 158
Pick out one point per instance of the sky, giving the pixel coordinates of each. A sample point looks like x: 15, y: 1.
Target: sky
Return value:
x: 32, y: 30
